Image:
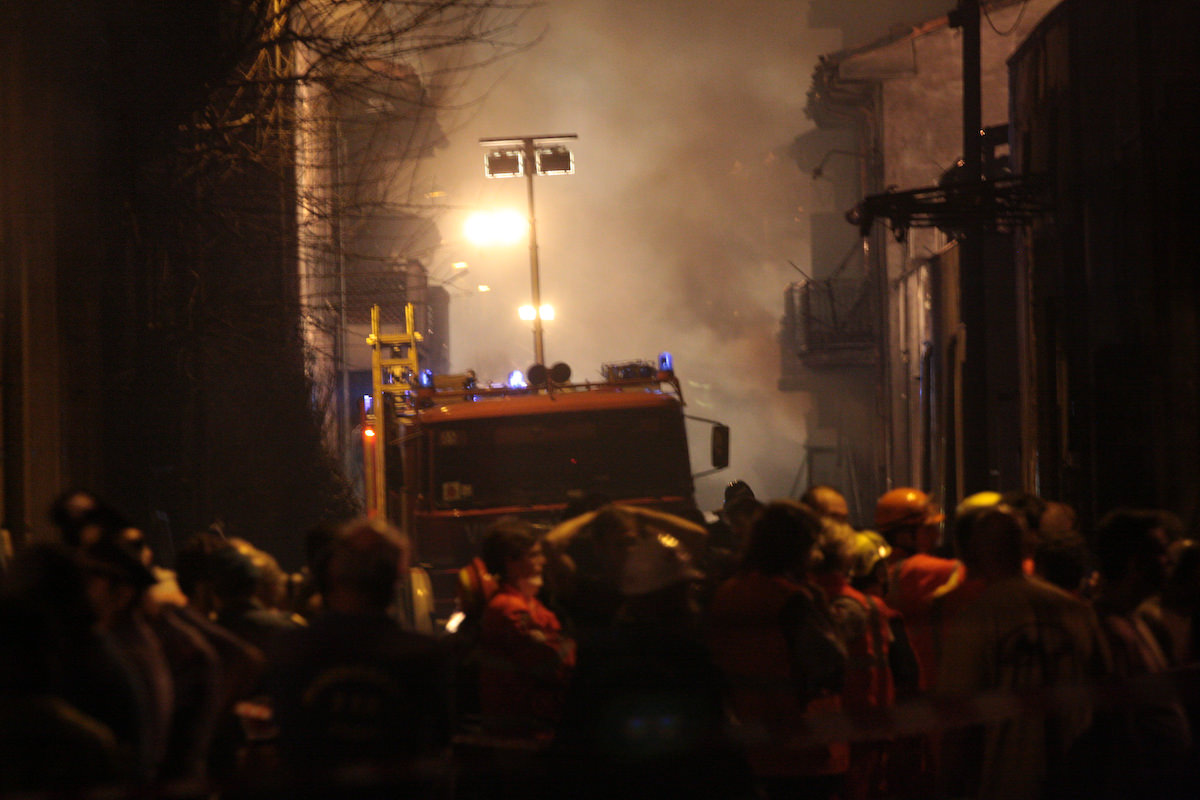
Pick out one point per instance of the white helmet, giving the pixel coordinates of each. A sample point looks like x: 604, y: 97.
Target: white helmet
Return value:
x: 656, y: 561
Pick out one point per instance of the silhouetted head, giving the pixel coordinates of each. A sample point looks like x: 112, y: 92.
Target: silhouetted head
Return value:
x: 827, y: 502
x: 990, y: 541
x: 1131, y: 549
x: 233, y: 574
x: 119, y: 563
x: 82, y: 518
x: 507, y: 540
x: 737, y: 489
x: 366, y: 560
x: 836, y: 547
x: 1063, y: 559
x: 782, y: 539
x: 52, y: 577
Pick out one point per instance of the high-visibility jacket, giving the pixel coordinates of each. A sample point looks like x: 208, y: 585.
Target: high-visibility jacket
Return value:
x: 863, y: 622
x: 775, y: 641
x: 917, y: 585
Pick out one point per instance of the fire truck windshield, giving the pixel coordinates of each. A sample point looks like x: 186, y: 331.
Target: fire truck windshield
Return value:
x: 538, y: 459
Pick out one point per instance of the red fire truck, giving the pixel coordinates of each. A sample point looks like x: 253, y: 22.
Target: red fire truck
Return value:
x: 446, y: 456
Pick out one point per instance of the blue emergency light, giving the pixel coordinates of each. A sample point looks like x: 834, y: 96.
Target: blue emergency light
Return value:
x: 516, y: 380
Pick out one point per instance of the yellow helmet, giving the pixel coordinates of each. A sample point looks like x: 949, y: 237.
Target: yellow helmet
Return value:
x: 974, y: 502
x: 869, y: 549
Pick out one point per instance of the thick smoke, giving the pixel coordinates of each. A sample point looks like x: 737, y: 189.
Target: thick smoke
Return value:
x: 676, y: 231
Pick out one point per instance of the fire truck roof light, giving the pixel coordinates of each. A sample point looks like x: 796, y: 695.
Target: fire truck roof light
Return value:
x: 425, y: 380
x: 665, y: 362
x: 516, y: 380
x: 560, y: 372
x: 536, y: 374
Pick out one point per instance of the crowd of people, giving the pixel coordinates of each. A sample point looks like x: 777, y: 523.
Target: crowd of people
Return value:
x: 775, y: 651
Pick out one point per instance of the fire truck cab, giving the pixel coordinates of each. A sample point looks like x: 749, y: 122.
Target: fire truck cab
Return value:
x: 446, y: 456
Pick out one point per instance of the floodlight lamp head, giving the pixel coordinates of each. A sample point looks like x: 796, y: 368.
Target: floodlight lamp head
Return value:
x: 504, y: 163
x: 555, y: 160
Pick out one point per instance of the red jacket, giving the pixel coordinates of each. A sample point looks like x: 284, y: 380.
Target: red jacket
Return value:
x: 779, y: 671
x: 525, y: 663
x: 917, y: 585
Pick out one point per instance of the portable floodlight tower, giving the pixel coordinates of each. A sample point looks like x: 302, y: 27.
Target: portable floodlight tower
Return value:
x: 529, y: 156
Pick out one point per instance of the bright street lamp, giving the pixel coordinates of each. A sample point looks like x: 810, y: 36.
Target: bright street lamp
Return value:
x: 504, y: 227
x: 529, y: 156
x: 544, y: 312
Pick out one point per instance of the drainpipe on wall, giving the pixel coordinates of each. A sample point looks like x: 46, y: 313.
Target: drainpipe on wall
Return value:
x: 971, y: 419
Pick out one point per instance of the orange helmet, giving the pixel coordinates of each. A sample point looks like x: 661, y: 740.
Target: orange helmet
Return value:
x: 904, y: 507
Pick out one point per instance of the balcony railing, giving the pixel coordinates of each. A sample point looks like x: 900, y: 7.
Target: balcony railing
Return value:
x: 831, y: 322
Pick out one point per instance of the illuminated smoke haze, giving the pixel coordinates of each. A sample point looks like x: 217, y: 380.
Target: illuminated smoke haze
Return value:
x: 676, y: 230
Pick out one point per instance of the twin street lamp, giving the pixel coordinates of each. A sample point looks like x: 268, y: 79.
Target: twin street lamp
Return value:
x: 529, y: 156
x: 543, y: 312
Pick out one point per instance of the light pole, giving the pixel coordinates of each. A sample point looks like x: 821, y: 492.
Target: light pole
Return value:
x: 529, y: 156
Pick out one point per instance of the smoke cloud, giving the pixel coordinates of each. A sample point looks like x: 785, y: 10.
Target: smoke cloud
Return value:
x: 676, y: 230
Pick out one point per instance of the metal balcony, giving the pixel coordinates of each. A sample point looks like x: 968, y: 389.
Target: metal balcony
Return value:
x: 831, y: 322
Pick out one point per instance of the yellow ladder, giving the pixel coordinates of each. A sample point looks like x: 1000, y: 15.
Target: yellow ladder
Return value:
x: 401, y: 363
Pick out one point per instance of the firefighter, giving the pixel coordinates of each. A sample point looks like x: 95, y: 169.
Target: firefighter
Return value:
x: 918, y: 584
x: 645, y: 714
x: 827, y: 501
x: 864, y: 623
x: 727, y: 531
x: 917, y: 580
x: 585, y: 557
x: 771, y: 632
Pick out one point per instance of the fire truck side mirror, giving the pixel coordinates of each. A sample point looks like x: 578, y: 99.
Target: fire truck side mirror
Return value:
x: 720, y: 446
